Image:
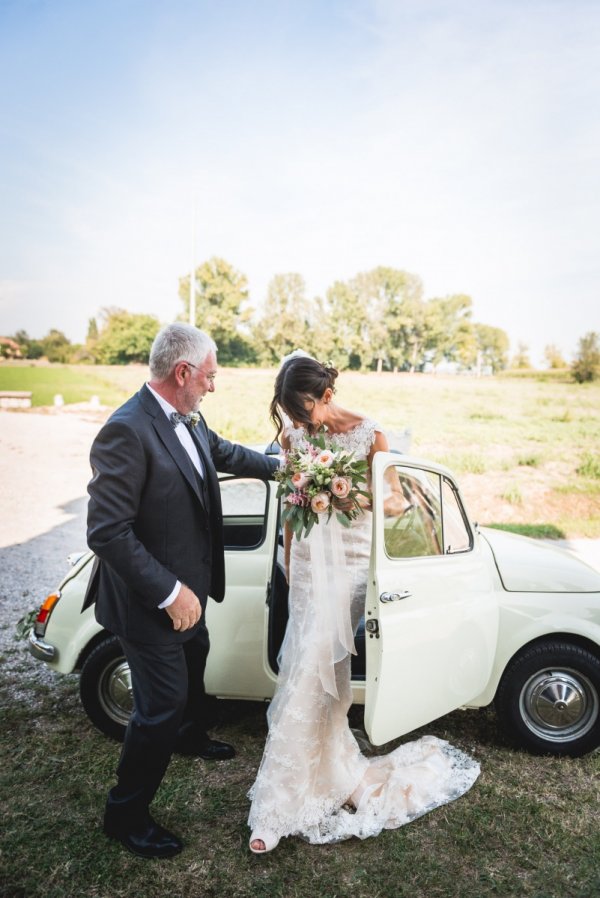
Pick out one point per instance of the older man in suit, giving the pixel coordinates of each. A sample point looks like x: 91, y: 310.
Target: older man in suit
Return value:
x: 155, y: 524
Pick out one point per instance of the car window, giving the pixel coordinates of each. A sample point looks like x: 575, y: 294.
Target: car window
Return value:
x: 244, y: 503
x: 423, y: 515
x: 457, y: 534
x: 412, y: 505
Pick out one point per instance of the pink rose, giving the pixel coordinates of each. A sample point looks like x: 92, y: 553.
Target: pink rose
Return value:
x: 319, y: 503
x: 300, y: 479
x: 325, y: 458
x: 340, y: 487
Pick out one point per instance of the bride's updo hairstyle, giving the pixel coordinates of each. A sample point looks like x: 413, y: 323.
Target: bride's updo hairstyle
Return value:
x: 300, y: 382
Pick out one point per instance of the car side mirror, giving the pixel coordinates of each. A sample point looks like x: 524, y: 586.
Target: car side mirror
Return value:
x: 273, y: 449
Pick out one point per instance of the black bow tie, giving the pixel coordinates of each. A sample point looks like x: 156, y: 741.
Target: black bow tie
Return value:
x: 191, y: 419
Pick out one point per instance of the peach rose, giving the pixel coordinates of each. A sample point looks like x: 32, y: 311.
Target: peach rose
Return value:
x: 319, y: 503
x: 300, y: 479
x: 340, y: 487
x: 325, y: 458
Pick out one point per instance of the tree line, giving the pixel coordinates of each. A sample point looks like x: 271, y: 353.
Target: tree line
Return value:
x: 377, y: 320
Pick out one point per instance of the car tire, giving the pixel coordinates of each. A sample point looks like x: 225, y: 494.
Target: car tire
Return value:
x: 548, y: 700
x: 105, y: 688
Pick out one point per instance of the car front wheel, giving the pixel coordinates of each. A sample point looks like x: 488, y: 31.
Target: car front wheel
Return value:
x: 105, y: 688
x: 548, y: 700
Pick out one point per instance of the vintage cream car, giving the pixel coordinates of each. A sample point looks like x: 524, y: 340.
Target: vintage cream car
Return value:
x: 455, y: 616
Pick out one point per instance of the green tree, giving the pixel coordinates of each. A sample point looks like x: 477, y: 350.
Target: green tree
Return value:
x: 125, y: 337
x: 450, y: 334
x: 22, y: 338
x: 521, y: 357
x: 30, y: 349
x: 89, y: 350
x: 492, y: 347
x: 322, y: 333
x: 56, y: 347
x: 221, y: 309
x: 285, y: 324
x: 343, y: 327
x: 586, y: 365
x: 372, y: 297
x: 92, y: 331
x: 376, y: 319
x: 396, y: 317
x: 554, y: 357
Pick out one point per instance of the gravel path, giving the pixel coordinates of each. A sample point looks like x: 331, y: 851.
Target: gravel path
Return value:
x: 44, y: 471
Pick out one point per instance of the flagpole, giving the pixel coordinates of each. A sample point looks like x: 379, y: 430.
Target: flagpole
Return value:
x: 193, y: 273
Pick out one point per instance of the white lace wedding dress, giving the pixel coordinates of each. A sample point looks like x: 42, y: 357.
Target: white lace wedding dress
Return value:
x: 312, y: 764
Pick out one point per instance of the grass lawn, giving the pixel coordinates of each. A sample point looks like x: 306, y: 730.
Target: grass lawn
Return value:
x: 75, y: 383
x: 526, y: 449
x: 529, y: 826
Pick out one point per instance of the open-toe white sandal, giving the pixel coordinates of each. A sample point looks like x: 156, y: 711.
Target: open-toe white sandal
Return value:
x: 269, y: 840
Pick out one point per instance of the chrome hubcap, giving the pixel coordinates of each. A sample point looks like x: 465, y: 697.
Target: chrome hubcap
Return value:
x: 559, y: 705
x: 115, y: 693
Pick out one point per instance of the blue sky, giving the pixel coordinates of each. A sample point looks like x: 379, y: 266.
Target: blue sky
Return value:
x: 456, y: 140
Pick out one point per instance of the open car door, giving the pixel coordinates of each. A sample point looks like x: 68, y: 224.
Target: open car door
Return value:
x: 431, y: 613
x: 236, y: 666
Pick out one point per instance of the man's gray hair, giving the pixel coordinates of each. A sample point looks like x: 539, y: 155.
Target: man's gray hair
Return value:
x: 175, y: 343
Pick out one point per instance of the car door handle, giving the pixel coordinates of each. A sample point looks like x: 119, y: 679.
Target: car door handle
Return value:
x: 394, y: 596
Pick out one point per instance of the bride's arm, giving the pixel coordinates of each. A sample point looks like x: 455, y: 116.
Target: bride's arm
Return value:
x: 380, y: 444
x: 395, y: 502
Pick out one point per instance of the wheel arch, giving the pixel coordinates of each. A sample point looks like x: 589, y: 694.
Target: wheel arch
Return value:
x: 577, y: 639
x: 86, y: 651
x: 488, y: 696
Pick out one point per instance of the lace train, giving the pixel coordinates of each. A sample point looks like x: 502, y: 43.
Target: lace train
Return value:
x: 313, y: 780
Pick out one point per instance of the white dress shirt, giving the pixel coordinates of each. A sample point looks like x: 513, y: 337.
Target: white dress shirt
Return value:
x: 185, y: 438
x: 183, y: 434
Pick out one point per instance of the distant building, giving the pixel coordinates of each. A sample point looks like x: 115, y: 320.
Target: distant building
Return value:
x: 9, y: 349
x: 445, y: 367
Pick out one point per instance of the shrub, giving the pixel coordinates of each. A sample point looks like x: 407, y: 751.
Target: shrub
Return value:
x: 513, y: 495
x: 590, y: 466
x: 586, y: 366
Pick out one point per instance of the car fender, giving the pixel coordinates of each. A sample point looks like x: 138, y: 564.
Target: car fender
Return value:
x: 530, y: 617
x: 69, y: 629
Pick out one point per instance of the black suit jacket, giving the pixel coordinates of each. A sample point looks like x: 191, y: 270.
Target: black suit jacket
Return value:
x: 150, y: 522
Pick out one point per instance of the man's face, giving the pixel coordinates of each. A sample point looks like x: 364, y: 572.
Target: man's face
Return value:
x: 200, y: 381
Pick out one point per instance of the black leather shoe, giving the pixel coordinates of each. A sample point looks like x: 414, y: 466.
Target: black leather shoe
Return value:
x: 146, y: 839
x: 199, y: 745
x: 213, y: 750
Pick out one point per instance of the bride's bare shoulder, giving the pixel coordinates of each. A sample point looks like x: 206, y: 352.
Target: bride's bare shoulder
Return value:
x: 357, y: 421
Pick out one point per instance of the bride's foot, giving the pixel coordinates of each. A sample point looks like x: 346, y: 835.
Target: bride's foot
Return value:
x: 374, y: 790
x: 266, y: 841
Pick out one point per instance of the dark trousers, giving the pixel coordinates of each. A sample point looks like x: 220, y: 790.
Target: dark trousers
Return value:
x: 168, y: 689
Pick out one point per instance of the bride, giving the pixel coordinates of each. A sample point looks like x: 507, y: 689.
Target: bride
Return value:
x: 313, y: 780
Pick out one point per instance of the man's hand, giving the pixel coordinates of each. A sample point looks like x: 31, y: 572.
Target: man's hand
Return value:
x: 185, y: 611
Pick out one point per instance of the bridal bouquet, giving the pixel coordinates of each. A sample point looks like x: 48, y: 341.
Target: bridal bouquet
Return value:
x: 317, y: 481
